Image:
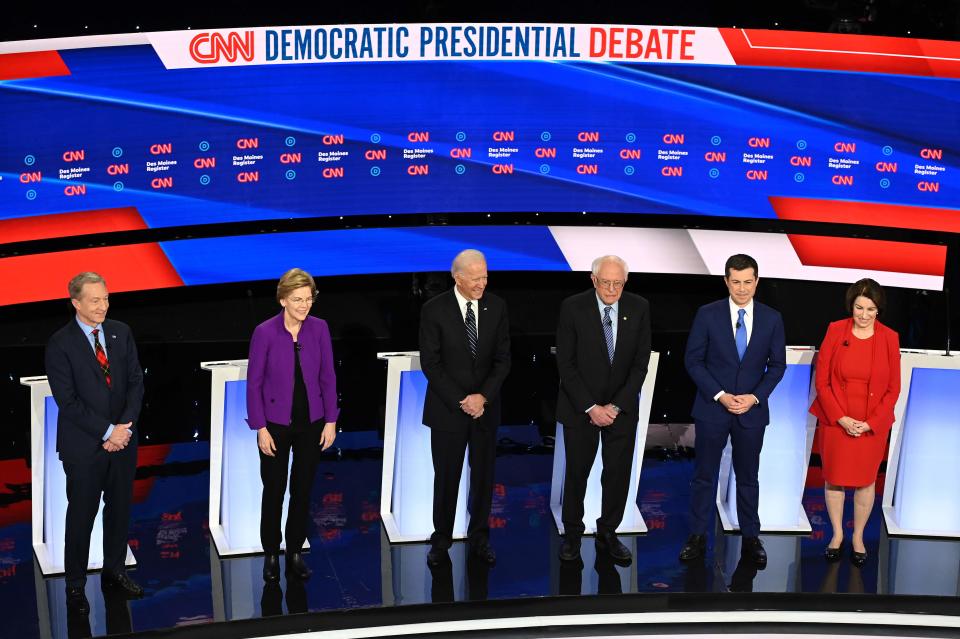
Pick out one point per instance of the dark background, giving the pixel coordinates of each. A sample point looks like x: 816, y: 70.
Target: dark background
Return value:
x: 176, y: 329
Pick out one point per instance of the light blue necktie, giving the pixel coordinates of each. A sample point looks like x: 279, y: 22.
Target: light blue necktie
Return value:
x: 608, y: 331
x: 741, y: 336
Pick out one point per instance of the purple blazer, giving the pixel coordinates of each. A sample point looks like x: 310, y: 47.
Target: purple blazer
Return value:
x: 270, y: 372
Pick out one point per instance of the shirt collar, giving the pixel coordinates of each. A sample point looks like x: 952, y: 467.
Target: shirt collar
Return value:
x: 462, y: 301
x: 735, y: 310
x: 614, y: 308
x: 86, y: 328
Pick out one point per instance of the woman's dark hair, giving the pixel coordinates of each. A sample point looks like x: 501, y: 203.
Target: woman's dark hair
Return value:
x: 866, y: 288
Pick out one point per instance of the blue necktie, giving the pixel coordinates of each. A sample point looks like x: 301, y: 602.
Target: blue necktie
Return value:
x: 608, y: 331
x: 741, y: 336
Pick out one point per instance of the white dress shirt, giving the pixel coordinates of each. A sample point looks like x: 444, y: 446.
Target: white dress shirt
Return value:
x: 462, y: 301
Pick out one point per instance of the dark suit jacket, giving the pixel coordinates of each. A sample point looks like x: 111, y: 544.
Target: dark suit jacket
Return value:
x: 451, y: 371
x: 86, y: 405
x: 586, y: 375
x: 712, y: 362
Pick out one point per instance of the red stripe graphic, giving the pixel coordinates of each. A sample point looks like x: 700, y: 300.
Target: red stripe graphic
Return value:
x: 132, y: 267
x: 843, y: 52
x: 899, y: 216
x: 35, y: 64
x: 874, y: 255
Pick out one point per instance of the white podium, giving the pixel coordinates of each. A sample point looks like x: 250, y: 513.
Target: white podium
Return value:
x: 406, y: 489
x: 632, y: 519
x: 921, y: 495
x: 49, y: 487
x: 785, y: 455
x: 235, y: 486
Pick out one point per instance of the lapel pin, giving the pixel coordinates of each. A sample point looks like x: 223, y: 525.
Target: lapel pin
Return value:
x: 624, y: 318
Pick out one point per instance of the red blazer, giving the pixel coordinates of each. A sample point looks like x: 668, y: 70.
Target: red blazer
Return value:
x: 884, y: 385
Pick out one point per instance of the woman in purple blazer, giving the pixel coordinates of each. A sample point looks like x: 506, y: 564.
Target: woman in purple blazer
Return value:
x: 292, y: 404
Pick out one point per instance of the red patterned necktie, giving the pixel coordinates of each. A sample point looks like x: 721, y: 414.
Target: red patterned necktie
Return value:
x: 101, y: 356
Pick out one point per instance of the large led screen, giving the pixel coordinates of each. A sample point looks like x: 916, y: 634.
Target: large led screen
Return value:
x: 191, y: 127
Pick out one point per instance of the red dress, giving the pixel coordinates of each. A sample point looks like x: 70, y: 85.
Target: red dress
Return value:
x: 852, y: 461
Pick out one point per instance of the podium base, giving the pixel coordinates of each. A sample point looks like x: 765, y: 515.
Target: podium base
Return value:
x: 50, y: 568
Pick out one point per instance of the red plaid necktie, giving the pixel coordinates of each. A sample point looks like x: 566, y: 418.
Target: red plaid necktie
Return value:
x: 101, y: 356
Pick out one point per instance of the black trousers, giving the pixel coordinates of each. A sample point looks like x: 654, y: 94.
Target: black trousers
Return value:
x: 304, y: 441
x: 580, y: 445
x: 110, y: 475
x: 448, y: 449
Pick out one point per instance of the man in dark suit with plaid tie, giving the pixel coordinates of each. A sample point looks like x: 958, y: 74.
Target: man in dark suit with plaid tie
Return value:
x: 97, y: 382
x: 603, y: 348
x: 465, y: 355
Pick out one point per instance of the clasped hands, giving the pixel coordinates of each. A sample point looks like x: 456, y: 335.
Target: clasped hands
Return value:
x: 737, y: 404
x: 853, y: 427
x: 119, y: 438
x: 473, y: 404
x: 603, y: 415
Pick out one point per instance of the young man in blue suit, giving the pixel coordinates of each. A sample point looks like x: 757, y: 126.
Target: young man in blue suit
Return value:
x: 97, y: 382
x: 736, y: 356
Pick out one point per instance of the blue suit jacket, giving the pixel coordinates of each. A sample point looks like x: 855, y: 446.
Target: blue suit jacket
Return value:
x: 712, y: 362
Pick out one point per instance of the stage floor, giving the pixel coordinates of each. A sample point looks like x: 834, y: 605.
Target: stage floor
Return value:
x: 355, y: 567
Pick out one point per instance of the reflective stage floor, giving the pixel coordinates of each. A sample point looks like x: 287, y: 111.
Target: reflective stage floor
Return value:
x: 187, y: 584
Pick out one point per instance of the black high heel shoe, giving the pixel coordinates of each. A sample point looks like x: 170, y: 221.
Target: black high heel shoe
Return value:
x: 858, y: 558
x: 832, y: 555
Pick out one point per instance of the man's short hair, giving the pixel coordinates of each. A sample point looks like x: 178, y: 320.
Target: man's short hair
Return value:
x: 75, y: 286
x: 741, y: 262
x: 869, y: 289
x: 616, y: 259
x: 465, y: 257
x: 292, y: 280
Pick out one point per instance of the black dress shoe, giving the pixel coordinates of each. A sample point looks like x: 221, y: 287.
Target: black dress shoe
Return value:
x: 437, y: 556
x: 570, y: 549
x: 832, y: 555
x: 297, y: 567
x: 607, y: 542
x: 858, y: 558
x: 695, y: 548
x: 753, y: 548
x: 77, y: 601
x: 482, y: 551
x: 271, y: 568
x: 120, y: 581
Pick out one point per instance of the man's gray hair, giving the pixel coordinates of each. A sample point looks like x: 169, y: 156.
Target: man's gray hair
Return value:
x: 600, y: 261
x: 465, y: 258
x: 75, y: 287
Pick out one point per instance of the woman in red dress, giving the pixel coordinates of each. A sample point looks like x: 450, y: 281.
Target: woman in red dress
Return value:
x: 858, y: 382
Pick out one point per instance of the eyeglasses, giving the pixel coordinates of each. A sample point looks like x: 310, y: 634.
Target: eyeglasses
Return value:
x: 614, y: 284
x: 301, y: 300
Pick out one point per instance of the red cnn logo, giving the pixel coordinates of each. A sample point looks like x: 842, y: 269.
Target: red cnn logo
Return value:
x: 161, y: 183
x: 842, y: 180
x: 756, y: 175
x: 588, y: 136
x: 118, y: 169
x: 672, y: 171
x: 587, y: 169
x: 375, y: 154
x: 290, y: 158
x: 27, y: 178
x: 801, y: 160
x: 209, y: 48
x: 545, y: 152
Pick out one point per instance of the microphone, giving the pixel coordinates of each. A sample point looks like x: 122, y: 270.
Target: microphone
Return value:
x: 846, y: 343
x: 738, y: 324
x: 298, y: 346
